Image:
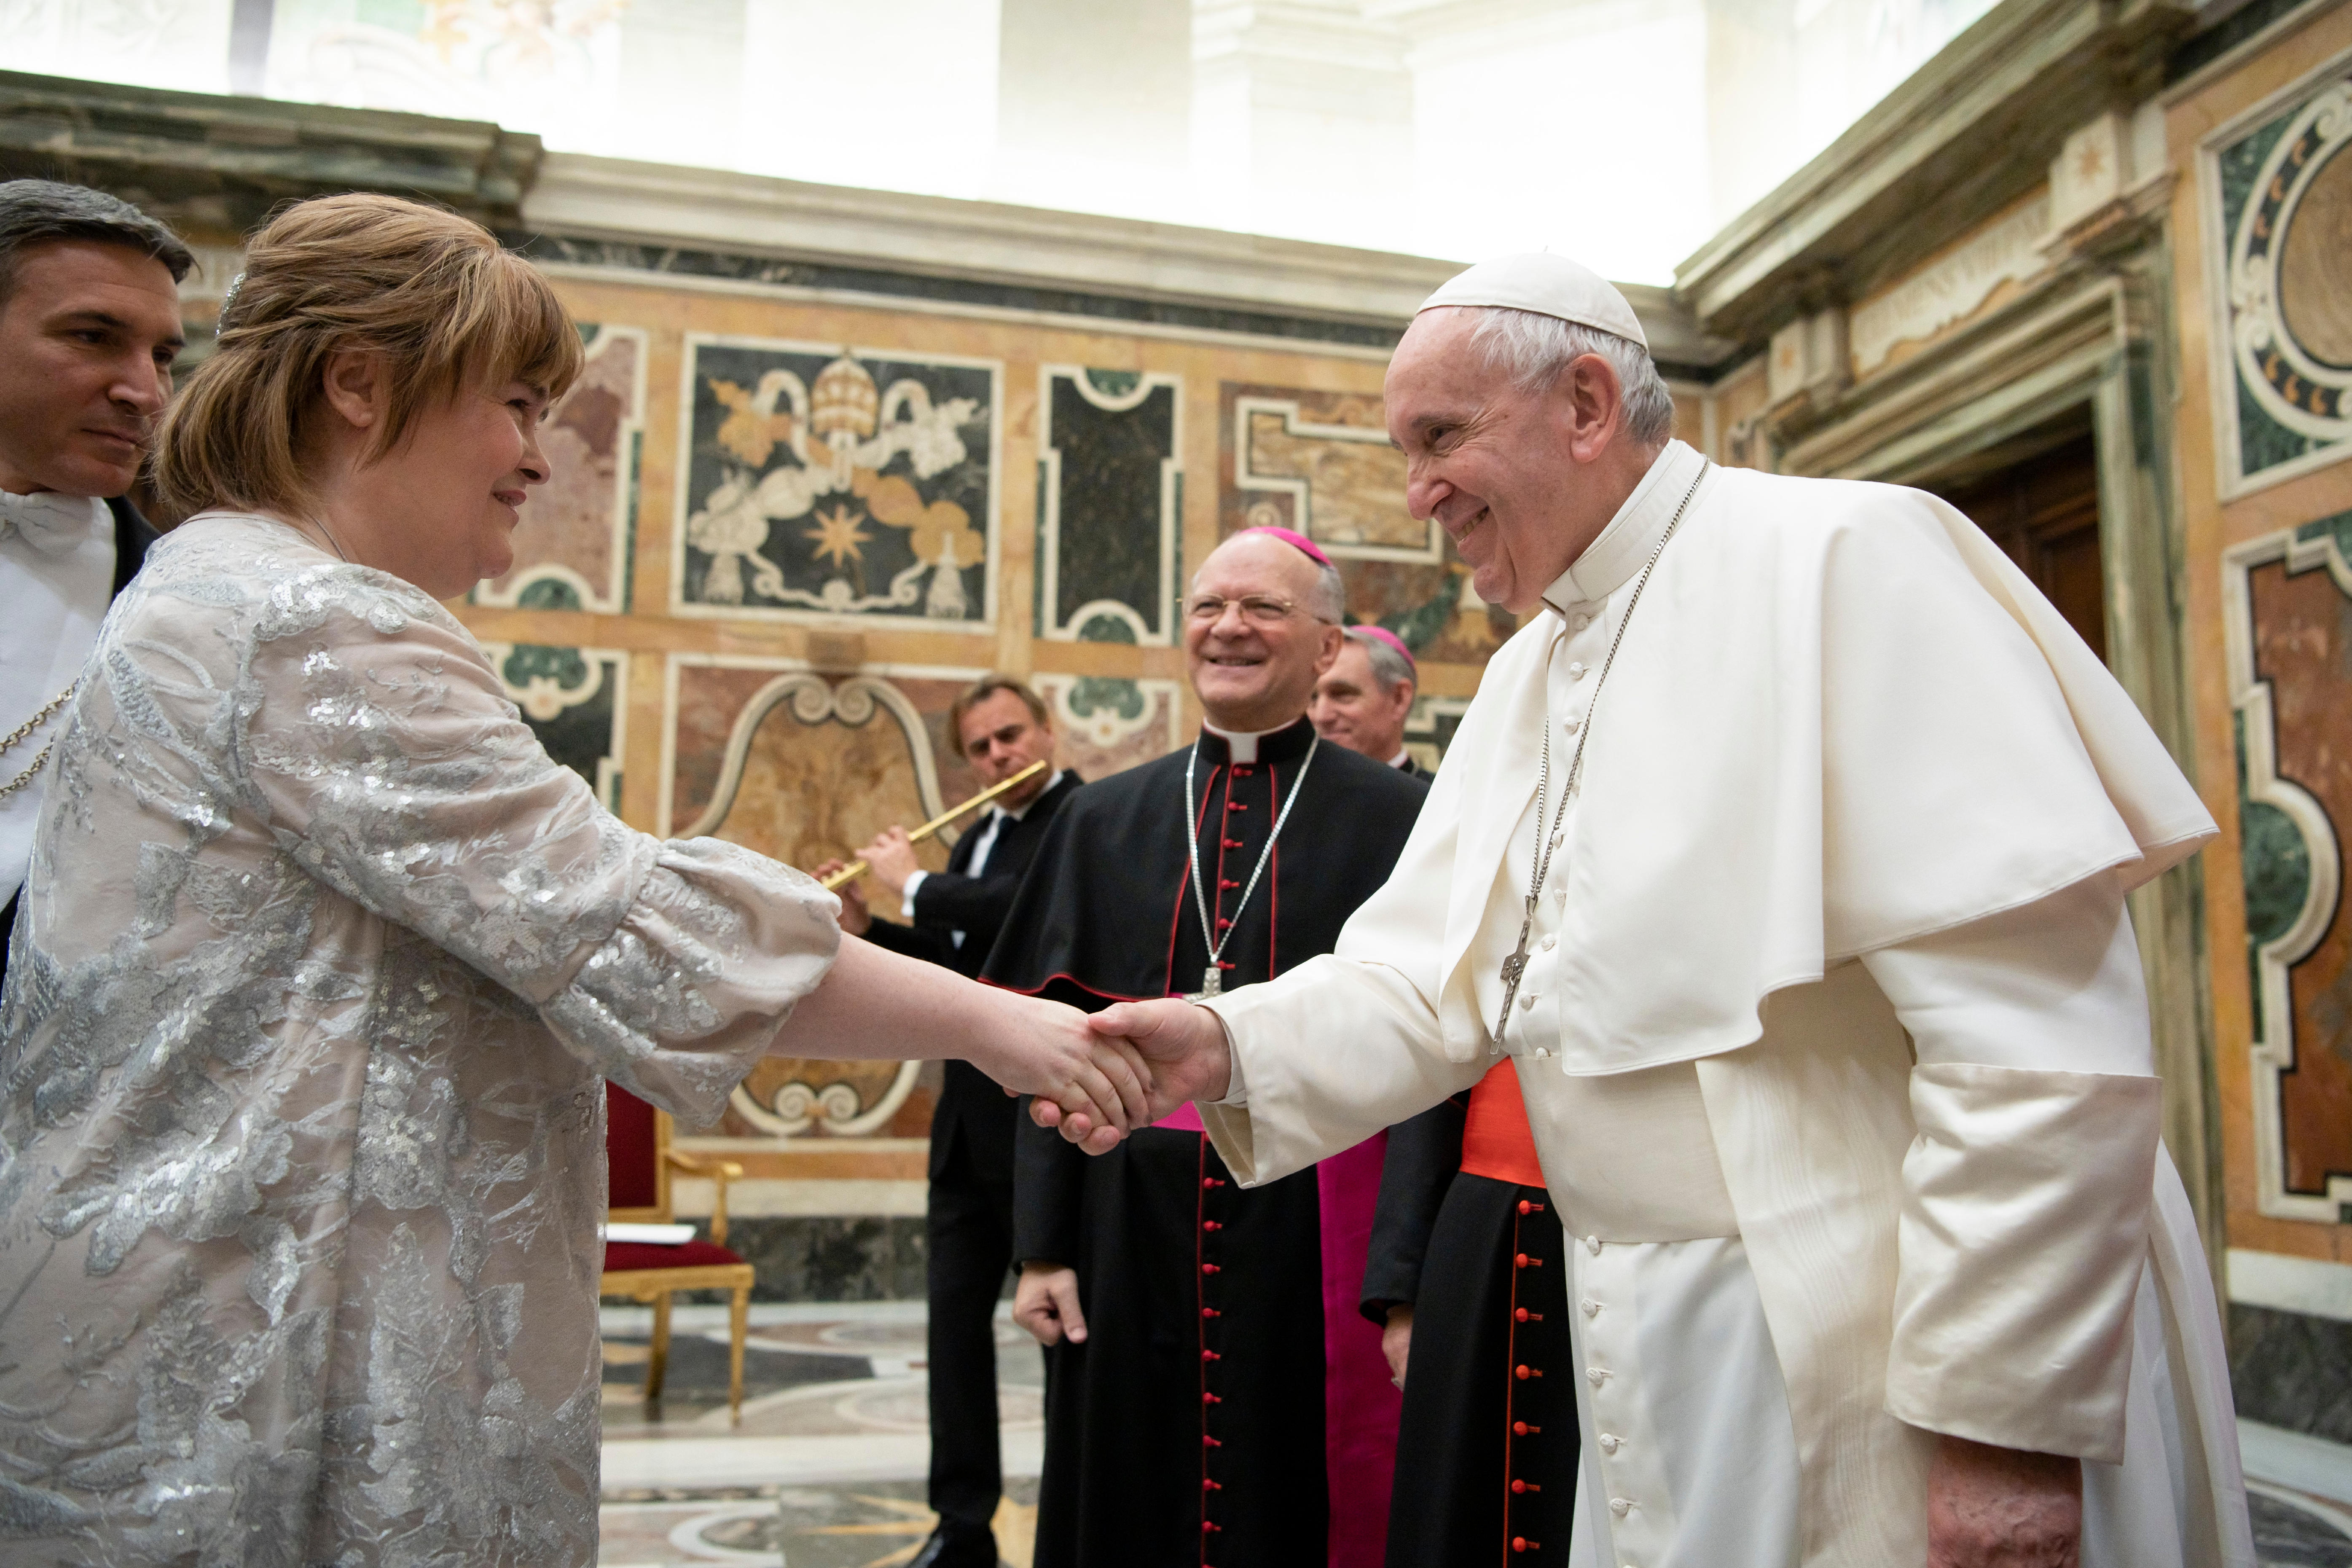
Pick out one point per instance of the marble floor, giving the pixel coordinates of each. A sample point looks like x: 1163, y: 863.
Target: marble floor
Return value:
x: 826, y: 1468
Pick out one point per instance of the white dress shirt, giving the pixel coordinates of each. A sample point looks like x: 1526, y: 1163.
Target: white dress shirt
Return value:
x: 54, y: 603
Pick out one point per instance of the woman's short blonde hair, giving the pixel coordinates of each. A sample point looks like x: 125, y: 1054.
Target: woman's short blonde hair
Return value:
x: 436, y: 294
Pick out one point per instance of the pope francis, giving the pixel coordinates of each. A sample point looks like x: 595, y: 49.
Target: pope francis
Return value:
x: 1785, y: 849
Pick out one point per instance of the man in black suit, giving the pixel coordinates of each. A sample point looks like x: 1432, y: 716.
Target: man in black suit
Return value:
x: 89, y: 325
x: 952, y: 917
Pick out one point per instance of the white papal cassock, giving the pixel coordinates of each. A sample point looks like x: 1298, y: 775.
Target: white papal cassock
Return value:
x: 1834, y: 1037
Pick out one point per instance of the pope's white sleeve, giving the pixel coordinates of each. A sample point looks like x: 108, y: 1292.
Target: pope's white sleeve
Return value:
x: 1336, y: 1050
x: 2026, y: 1192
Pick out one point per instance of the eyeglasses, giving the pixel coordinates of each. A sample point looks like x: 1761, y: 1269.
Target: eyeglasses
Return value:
x: 1257, y: 609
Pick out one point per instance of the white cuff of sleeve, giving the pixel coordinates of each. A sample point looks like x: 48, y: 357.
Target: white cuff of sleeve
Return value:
x: 907, y: 904
x: 1236, y: 1087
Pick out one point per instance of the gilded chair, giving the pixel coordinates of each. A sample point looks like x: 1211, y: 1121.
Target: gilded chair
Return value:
x: 638, y: 1151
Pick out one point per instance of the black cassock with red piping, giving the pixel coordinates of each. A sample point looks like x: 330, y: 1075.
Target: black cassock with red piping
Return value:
x: 1190, y: 1427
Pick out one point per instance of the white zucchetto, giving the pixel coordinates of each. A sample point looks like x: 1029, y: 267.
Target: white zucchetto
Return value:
x: 1547, y: 285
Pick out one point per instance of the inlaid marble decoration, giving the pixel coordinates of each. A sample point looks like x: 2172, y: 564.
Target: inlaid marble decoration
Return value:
x: 1320, y: 462
x: 806, y: 768
x: 575, y: 701
x: 837, y: 484
x: 573, y: 546
x: 1107, y: 724
x: 2279, y: 193
x: 1429, y: 728
x: 1109, y: 505
x: 2288, y: 617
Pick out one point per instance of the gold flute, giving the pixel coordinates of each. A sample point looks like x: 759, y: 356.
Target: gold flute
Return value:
x: 856, y: 869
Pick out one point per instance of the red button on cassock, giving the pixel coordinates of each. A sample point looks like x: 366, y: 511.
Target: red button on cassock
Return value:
x: 1520, y: 1428
x: 1210, y: 1312
x: 1525, y: 1207
x: 1212, y: 1225
x: 1521, y: 1260
x: 1521, y: 1314
x: 1211, y: 1355
x: 1518, y: 1543
x: 1209, y: 1269
x: 1518, y: 1486
x: 1521, y: 1371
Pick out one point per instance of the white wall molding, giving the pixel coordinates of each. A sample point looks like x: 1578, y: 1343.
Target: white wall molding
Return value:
x: 658, y: 203
x: 2311, y: 1285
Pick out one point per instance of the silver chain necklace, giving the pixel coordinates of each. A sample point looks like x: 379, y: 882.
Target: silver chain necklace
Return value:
x: 1211, y: 979
x: 1515, y: 968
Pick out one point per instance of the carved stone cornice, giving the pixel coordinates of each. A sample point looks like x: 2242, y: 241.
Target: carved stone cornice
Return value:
x: 208, y: 161
x: 1969, y: 133
x: 1034, y: 249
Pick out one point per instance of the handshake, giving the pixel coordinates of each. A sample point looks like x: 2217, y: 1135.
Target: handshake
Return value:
x: 1097, y: 1077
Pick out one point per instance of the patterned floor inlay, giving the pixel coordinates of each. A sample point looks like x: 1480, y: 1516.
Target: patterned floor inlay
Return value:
x: 874, y: 1524
x: 2294, y: 1530
x: 824, y: 1468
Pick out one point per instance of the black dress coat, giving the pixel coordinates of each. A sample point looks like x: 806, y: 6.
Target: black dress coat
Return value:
x: 1486, y: 1456
x: 1188, y: 1430
x: 971, y: 1108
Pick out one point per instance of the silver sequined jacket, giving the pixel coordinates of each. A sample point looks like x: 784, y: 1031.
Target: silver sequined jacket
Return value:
x: 302, y: 1136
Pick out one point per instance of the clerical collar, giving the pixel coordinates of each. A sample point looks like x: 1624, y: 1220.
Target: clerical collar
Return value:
x: 1609, y: 562
x: 1246, y: 746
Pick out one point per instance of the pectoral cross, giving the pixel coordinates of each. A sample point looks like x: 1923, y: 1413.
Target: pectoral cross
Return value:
x: 1214, y: 984
x: 1514, y: 968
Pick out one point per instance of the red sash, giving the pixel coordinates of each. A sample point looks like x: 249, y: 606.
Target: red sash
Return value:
x: 1497, y: 1141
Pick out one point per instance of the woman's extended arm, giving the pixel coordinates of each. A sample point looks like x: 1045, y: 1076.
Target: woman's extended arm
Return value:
x: 877, y: 1004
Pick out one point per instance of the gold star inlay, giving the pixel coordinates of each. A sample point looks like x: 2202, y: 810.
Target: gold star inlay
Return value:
x: 838, y: 537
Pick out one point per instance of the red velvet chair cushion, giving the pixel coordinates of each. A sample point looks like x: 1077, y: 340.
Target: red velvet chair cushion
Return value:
x: 629, y: 1151
x: 627, y: 1254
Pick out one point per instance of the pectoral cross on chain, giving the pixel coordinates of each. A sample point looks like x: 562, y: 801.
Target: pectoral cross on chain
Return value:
x: 1514, y: 968
x: 1212, y: 983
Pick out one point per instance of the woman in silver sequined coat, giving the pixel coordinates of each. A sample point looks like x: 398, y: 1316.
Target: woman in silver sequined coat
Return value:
x: 322, y: 960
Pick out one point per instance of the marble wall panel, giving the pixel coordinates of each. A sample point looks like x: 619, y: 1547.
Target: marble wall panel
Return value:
x: 571, y: 698
x: 2289, y: 608
x: 806, y: 768
x: 1109, y: 505
x: 832, y: 1258
x: 1109, y: 723
x: 2291, y: 1369
x: 2278, y: 219
x: 836, y: 484
x: 573, y: 547
x: 1319, y: 462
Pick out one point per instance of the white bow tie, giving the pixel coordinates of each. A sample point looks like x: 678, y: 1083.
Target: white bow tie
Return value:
x: 51, y: 523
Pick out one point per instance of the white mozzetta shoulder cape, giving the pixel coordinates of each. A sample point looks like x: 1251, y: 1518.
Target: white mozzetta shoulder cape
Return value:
x: 1841, y: 718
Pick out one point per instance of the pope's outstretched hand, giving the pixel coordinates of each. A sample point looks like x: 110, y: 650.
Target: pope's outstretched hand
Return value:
x: 1182, y: 1047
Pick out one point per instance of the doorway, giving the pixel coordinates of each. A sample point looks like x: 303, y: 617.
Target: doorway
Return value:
x: 2037, y: 496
